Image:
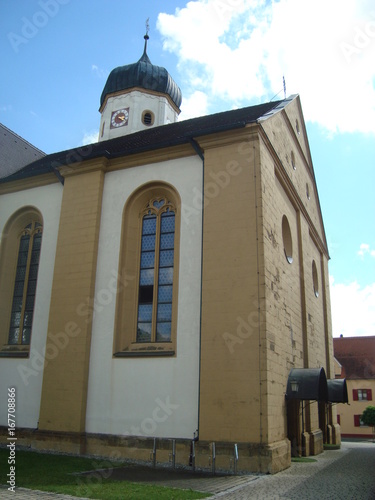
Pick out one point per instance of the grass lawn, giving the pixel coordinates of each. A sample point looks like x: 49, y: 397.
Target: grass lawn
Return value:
x: 55, y: 473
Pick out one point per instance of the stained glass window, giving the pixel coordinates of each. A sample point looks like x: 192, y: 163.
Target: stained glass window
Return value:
x: 25, y: 285
x: 156, y: 272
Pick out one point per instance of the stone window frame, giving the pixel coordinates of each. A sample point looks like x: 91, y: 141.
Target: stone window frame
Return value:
x: 125, y: 330
x: 13, y: 231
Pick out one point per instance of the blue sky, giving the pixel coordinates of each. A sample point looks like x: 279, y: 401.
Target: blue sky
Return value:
x: 57, y: 54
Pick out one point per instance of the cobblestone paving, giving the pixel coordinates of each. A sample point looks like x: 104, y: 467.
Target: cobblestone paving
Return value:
x: 345, y: 474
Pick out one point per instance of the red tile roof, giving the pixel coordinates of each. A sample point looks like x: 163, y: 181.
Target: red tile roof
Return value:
x: 356, y: 355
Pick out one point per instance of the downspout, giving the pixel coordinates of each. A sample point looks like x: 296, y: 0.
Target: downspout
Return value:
x: 200, y: 153
x: 58, y: 175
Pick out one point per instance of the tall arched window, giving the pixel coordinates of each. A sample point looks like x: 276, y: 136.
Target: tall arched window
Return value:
x: 19, y: 265
x: 156, y: 272
x: 146, y: 309
x: 22, y: 312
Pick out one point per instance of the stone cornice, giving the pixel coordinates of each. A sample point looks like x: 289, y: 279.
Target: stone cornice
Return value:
x: 28, y: 183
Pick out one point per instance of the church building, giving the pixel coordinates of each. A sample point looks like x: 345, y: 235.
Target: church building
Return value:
x: 164, y: 292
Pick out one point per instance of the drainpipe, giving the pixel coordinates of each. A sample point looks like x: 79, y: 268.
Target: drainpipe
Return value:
x: 200, y: 153
x: 154, y: 454
x: 259, y: 310
x: 235, y: 458
x: 213, y: 458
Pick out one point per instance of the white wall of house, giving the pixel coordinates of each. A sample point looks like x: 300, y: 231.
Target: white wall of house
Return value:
x: 147, y: 396
x: 26, y: 375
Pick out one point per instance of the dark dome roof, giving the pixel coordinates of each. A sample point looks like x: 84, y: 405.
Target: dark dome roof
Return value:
x: 142, y: 74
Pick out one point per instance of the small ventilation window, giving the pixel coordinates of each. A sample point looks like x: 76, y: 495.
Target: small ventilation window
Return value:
x: 293, y: 159
x: 315, y: 279
x: 307, y: 191
x: 148, y: 118
x: 297, y: 127
x: 287, y: 240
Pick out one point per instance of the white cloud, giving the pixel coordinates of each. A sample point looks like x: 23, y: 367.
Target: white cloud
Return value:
x: 6, y: 108
x: 99, y: 72
x: 353, y: 309
x: 195, y: 105
x: 239, y: 50
x: 364, y: 249
x: 90, y: 137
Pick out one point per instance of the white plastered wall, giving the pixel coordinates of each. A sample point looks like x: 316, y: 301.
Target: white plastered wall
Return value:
x: 147, y: 396
x: 137, y: 102
x: 26, y: 375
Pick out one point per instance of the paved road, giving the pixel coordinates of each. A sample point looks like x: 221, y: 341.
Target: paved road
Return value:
x: 345, y: 474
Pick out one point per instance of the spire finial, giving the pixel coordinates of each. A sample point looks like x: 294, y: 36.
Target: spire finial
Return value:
x: 145, y: 57
x: 146, y: 37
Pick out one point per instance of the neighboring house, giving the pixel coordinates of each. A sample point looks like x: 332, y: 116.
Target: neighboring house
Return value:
x: 356, y: 363
x: 167, y: 288
x: 15, y: 152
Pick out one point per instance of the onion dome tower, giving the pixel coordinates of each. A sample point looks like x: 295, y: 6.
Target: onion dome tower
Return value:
x: 136, y: 97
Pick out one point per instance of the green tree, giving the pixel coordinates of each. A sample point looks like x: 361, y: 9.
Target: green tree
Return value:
x: 368, y: 418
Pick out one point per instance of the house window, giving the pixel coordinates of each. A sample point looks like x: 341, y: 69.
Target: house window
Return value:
x: 146, y: 306
x: 358, y: 422
x: 25, y: 285
x: 362, y: 395
x: 156, y: 273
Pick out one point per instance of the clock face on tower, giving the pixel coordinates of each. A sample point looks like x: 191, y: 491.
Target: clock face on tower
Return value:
x: 120, y: 118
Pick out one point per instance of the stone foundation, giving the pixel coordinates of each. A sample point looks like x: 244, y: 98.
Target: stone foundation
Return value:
x: 205, y: 455
x: 305, y: 444
x: 336, y: 434
x: 316, y: 442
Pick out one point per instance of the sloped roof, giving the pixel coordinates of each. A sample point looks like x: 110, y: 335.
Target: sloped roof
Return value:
x: 356, y: 355
x: 173, y: 134
x: 16, y: 152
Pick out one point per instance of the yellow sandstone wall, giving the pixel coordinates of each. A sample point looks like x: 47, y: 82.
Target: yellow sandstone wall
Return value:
x: 64, y: 392
x: 298, y: 322
x: 230, y: 391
